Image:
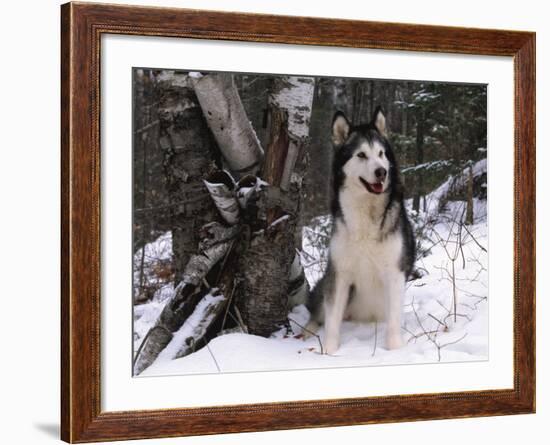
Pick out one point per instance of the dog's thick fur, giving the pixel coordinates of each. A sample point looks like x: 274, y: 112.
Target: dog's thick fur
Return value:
x: 372, y: 247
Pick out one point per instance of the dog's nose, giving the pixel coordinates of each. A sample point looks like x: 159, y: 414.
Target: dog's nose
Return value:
x: 380, y: 173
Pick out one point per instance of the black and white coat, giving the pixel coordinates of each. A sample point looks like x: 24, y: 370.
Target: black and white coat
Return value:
x: 372, y: 247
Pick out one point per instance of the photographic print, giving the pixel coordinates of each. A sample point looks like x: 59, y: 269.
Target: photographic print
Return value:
x: 286, y: 222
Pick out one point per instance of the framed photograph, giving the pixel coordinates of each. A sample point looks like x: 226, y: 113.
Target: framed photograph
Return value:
x: 275, y: 222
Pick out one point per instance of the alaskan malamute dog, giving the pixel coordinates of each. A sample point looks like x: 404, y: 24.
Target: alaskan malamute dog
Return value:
x: 372, y: 247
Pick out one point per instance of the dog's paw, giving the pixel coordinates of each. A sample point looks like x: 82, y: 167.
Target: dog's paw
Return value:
x: 394, y: 341
x: 331, y: 347
x: 310, y: 330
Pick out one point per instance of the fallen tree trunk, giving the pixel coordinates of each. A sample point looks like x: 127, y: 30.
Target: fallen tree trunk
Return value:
x: 195, y: 327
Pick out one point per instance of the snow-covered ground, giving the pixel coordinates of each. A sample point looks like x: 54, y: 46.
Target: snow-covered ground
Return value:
x: 431, y: 331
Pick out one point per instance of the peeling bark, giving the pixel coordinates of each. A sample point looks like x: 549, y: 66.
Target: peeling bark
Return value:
x: 294, y: 95
x: 221, y: 187
x: 248, y: 188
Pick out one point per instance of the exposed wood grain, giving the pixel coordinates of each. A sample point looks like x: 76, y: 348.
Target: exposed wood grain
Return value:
x: 82, y: 26
x: 277, y: 148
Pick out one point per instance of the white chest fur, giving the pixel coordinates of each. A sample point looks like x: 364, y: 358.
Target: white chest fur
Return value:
x: 364, y: 258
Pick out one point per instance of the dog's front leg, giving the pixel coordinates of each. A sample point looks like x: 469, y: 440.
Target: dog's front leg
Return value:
x: 394, y: 308
x: 335, y: 305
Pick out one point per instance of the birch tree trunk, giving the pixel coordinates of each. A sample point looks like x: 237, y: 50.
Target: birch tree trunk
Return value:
x: 224, y: 112
x: 265, y: 267
x: 294, y: 95
x: 189, y: 158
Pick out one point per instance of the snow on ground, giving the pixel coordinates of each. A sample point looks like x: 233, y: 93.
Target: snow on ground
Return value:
x: 432, y: 199
x: 430, y: 331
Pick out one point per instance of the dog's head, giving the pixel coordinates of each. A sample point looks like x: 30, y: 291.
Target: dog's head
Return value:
x: 363, y: 160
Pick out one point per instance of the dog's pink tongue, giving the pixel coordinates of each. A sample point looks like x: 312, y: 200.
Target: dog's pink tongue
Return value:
x: 377, y: 187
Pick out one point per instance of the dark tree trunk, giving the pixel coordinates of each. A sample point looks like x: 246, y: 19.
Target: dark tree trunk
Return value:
x: 470, y: 198
x: 420, y: 123
x: 315, y: 191
x: 405, y: 112
x: 189, y: 154
x: 150, y: 196
x: 254, y: 91
x: 264, y: 270
x: 372, y: 104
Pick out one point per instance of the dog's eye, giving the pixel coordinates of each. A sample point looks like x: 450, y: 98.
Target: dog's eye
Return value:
x: 361, y: 155
x: 381, y: 153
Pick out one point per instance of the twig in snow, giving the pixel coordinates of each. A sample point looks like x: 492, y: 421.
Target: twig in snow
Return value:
x: 241, y: 327
x: 228, y: 305
x: 240, y: 322
x: 455, y: 315
x: 443, y: 306
x: 433, y: 338
x: 309, y: 332
x: 213, y: 358
x: 475, y: 240
x: 439, y: 321
x: 414, y: 336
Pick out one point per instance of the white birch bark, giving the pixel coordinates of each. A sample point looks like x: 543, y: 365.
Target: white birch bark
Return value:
x: 194, y: 328
x: 227, y: 119
x: 247, y: 188
x: 294, y: 95
x: 221, y: 187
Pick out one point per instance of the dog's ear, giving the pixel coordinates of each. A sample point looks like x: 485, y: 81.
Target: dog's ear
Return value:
x: 379, y: 121
x: 340, y: 129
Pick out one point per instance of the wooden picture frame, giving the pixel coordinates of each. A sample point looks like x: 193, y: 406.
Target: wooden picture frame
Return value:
x: 82, y: 25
